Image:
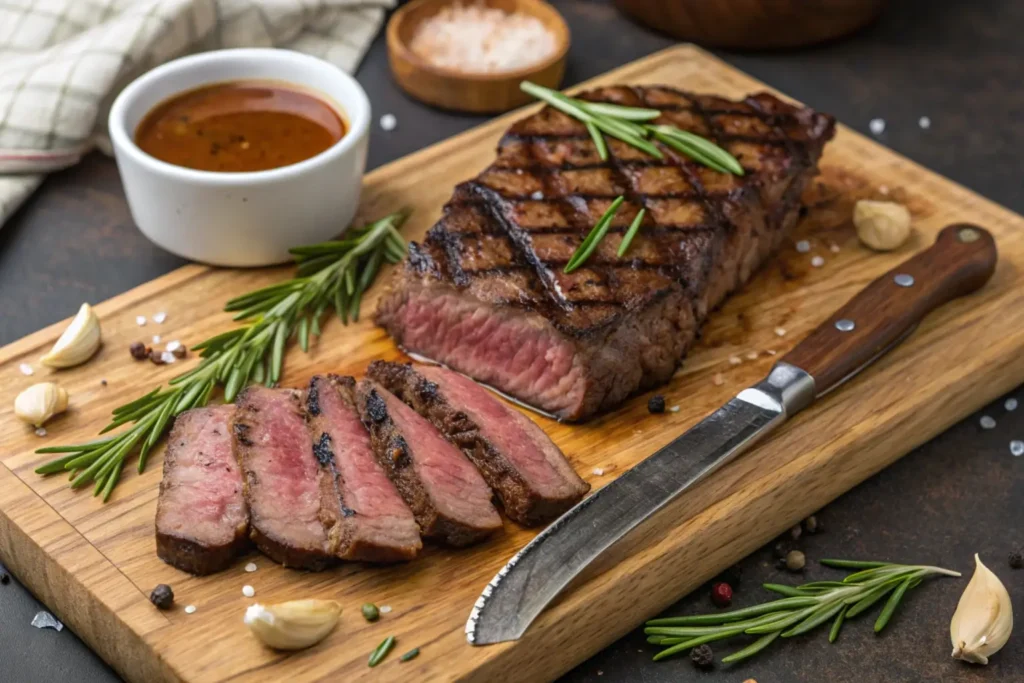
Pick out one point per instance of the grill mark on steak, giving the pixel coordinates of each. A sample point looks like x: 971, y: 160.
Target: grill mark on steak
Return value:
x: 201, y: 516
x: 366, y: 518
x: 447, y: 496
x: 580, y: 343
x: 527, y: 471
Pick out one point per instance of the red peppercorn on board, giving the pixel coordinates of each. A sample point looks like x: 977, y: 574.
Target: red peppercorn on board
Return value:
x: 95, y: 564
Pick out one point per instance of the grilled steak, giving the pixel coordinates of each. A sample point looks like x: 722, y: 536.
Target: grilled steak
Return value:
x: 486, y: 293
x: 201, y: 515
x: 449, y: 498
x: 367, y: 519
x: 532, y: 478
x: 282, y: 478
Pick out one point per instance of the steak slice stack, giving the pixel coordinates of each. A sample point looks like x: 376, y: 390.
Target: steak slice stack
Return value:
x: 201, y: 514
x: 282, y: 478
x: 486, y: 294
x: 448, y: 497
x: 530, y: 475
x: 367, y: 519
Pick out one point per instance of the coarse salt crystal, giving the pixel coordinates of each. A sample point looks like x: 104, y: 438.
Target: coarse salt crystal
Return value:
x: 40, y: 431
x: 735, y: 360
x: 168, y: 357
x: 803, y: 246
x: 388, y: 122
x: 674, y: 409
x: 817, y: 261
x: 172, y: 346
x: 538, y: 195
x: 598, y: 471
x: 771, y: 352
x: 834, y: 248
x: 248, y: 591
x: 26, y: 369
x: 140, y: 320
x: 877, y: 126
x: 189, y: 609
x: 156, y: 338
x: 987, y: 422
x: 159, y: 318
x: 384, y: 609
x: 752, y: 355
x: 1011, y: 404
x: 251, y: 567
x: 1017, y: 447
x: 924, y: 122
x: 718, y: 380
x: 780, y: 331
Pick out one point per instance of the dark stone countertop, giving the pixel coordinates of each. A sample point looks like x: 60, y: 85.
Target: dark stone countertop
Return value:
x: 959, y: 63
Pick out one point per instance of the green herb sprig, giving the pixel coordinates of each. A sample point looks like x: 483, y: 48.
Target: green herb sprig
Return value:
x: 594, y: 237
x: 632, y: 126
x: 801, y: 609
x: 330, y: 275
x: 381, y: 651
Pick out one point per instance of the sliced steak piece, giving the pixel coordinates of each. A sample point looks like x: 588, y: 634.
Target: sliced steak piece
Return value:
x: 447, y: 495
x: 531, y: 476
x: 368, y: 520
x: 282, y: 478
x: 486, y: 294
x: 201, y: 515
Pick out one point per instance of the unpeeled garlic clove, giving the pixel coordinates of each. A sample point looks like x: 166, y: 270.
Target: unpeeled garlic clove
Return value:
x: 79, y: 341
x: 983, y: 619
x: 293, y: 625
x: 40, y: 402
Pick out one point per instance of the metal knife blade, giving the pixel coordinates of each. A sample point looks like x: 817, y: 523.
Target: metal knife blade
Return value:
x: 513, y: 599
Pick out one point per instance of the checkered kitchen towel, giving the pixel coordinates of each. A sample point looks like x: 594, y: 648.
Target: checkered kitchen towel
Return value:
x: 62, y: 62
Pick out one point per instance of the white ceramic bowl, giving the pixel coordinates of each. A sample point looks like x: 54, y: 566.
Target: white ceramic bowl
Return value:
x: 241, y: 219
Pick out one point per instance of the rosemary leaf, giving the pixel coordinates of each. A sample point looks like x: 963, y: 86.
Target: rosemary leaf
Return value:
x: 837, y: 624
x: 853, y: 564
x: 619, y: 111
x: 592, y: 239
x: 595, y: 134
x: 892, y: 602
x: 752, y: 649
x: 381, y: 651
x: 634, y: 228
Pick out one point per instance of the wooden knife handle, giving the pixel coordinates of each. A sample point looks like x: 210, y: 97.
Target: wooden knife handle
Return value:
x: 962, y: 259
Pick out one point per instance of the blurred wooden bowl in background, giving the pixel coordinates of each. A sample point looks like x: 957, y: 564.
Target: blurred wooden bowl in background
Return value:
x: 753, y: 24
x: 480, y: 93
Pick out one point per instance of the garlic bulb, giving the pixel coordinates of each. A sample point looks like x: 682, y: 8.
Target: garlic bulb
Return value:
x: 293, y: 625
x: 79, y: 341
x: 40, y: 402
x: 983, y: 619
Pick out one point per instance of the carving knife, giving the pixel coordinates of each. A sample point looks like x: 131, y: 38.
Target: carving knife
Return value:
x: 962, y: 259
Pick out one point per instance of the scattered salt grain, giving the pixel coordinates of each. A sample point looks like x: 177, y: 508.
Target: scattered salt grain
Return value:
x: 168, y: 357
x: 384, y: 609
x: 156, y: 339
x: 40, y: 431
x: 159, y: 318
x: 1017, y: 448
x: 877, y: 126
x: 752, y: 355
x: 924, y: 122
x: 803, y: 246
x: 598, y: 471
x: 817, y: 261
x: 884, y: 189
x: 1011, y: 404
x: 140, y: 320
x: 718, y: 380
x: 600, y: 673
x: 251, y: 567
x: 834, y: 248
x: 537, y: 196
x: 26, y: 369
x: 172, y: 346
x: 675, y: 409
x: 46, y: 620
x: 735, y: 360
x: 771, y: 352
x: 987, y: 422
x: 388, y: 122
x: 248, y: 591
x: 189, y: 609
x: 780, y: 331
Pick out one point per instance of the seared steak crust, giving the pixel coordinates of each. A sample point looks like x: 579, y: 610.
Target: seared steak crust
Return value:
x: 201, y: 515
x: 486, y: 293
x: 527, y: 471
x: 447, y: 496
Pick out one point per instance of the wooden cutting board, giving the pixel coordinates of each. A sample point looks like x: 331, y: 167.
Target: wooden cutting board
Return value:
x: 95, y: 564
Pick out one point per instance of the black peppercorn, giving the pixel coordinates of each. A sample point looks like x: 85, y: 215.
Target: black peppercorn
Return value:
x: 5, y: 578
x: 656, y: 404
x: 180, y: 351
x: 795, y: 561
x: 162, y: 596
x: 1017, y: 559
x: 156, y: 357
x: 702, y: 656
x: 138, y: 351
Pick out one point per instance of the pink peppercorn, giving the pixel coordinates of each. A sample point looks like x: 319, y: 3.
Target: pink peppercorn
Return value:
x: 721, y: 594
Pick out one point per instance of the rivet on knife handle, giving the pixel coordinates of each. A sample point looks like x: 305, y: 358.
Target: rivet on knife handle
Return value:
x: 962, y: 259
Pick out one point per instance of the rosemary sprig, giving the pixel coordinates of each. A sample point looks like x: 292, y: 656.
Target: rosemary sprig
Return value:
x: 331, y: 274
x: 596, y: 234
x: 631, y: 125
x: 802, y: 609
x: 634, y: 228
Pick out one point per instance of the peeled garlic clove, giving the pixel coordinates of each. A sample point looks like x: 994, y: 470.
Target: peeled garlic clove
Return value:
x: 293, y: 625
x: 79, y: 341
x: 983, y: 620
x: 40, y: 402
x: 883, y: 226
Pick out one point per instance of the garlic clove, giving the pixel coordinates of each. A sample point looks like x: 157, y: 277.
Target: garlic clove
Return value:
x: 293, y: 625
x: 78, y: 343
x: 40, y: 402
x: 983, y: 619
x: 883, y: 226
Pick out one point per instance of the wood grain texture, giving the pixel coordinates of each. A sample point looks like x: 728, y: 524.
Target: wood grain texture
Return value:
x: 95, y: 564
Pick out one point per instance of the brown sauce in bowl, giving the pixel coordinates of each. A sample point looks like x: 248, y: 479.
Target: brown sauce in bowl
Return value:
x: 240, y: 126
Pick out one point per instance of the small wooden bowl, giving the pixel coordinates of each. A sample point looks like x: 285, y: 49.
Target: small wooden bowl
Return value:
x: 479, y: 93
x: 753, y: 24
